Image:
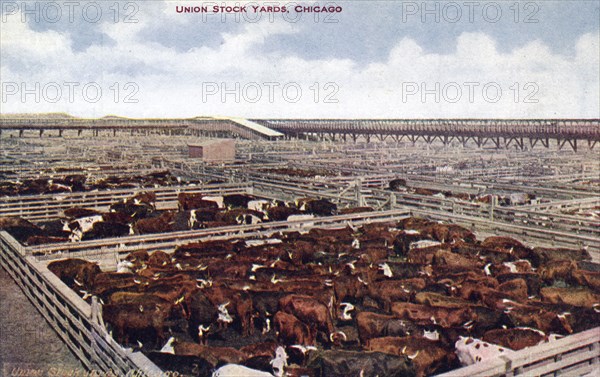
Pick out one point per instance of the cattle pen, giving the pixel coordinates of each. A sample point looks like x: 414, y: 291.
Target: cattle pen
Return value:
x: 491, y: 187
x: 80, y: 327
x: 550, y: 229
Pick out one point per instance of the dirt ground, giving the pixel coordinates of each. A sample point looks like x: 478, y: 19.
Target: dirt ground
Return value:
x: 27, y: 342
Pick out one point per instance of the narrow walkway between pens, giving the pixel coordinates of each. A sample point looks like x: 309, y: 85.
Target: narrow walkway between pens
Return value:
x: 26, y: 339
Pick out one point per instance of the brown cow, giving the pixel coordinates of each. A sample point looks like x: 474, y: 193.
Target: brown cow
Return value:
x: 281, y: 213
x: 146, y: 197
x: 263, y: 349
x: 385, y: 230
x: 214, y: 355
x: 43, y: 240
x: 445, y: 260
x: 159, y: 259
x: 513, y: 290
x: 239, y: 302
x: 515, y: 339
x: 349, y: 287
x: 374, y: 325
x: 338, y: 363
x: 290, y: 330
x: 119, y: 298
x: 136, y: 319
x: 76, y: 273
x: 173, y: 293
x: 201, y: 248
x: 516, y: 288
x: 519, y: 266
x: 441, y: 301
x: 375, y: 254
x: 425, y: 255
x: 319, y: 207
x: 532, y: 279
x: 591, y: 279
x: 425, y: 191
x: 19, y: 228
x: 106, y: 283
x: 580, y: 296
x: 426, y: 315
x: 387, y: 291
x: 558, y: 269
x: 414, y: 223
x: 308, y: 310
x: 536, y: 316
x: 160, y: 224
x: 448, y: 233
x: 404, y: 239
x: 340, y: 234
x: 237, y: 200
x: 187, y: 201
x: 124, y: 297
x: 508, y: 245
x: 138, y: 259
x: 428, y: 356
x: 490, y: 255
x: 544, y: 255
x: 468, y: 286
x: 78, y: 212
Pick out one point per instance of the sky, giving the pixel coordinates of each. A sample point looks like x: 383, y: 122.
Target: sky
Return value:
x: 366, y: 59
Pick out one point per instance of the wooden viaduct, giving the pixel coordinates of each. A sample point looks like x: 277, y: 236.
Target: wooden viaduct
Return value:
x: 498, y: 133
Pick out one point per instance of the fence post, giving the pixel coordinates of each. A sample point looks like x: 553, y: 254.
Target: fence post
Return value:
x: 358, y: 194
x: 392, y: 200
x: 94, y: 309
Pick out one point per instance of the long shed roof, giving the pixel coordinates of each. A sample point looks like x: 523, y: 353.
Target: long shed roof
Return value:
x: 266, y: 131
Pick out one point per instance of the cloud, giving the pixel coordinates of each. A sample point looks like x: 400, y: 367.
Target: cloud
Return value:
x: 19, y: 41
x: 239, y: 78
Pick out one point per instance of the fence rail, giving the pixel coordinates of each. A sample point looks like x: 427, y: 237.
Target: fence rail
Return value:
x: 567, y: 224
x: 574, y: 355
x: 70, y: 316
x: 168, y: 241
x: 38, y: 207
x: 526, y: 234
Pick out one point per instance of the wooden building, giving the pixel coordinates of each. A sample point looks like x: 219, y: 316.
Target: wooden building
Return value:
x: 213, y: 150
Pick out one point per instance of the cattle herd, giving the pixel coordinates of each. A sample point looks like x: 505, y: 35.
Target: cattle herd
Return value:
x: 304, y: 173
x: 57, y: 181
x: 406, y: 298
x: 512, y: 199
x: 138, y: 215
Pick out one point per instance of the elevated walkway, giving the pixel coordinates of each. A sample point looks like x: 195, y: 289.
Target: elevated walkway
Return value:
x: 213, y: 126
